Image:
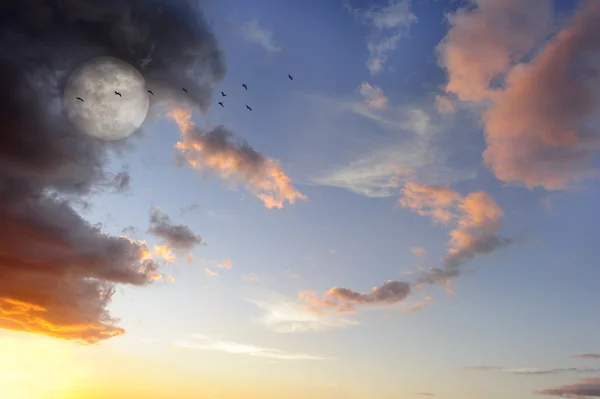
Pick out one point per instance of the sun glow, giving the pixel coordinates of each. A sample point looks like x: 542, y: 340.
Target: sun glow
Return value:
x: 36, y: 367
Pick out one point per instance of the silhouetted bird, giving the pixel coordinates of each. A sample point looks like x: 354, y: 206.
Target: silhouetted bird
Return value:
x: 150, y: 91
x: 244, y: 85
x: 221, y: 104
x: 290, y: 76
x: 118, y: 94
x: 249, y: 108
x: 223, y: 94
x: 79, y: 98
x: 184, y: 89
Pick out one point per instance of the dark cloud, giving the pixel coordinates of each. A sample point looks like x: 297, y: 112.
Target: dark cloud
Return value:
x: 586, y: 388
x: 176, y: 236
x: 57, y: 272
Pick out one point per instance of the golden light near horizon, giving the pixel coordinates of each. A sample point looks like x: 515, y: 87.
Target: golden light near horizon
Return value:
x: 37, y: 367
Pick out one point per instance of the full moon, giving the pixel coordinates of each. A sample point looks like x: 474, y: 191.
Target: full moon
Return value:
x: 92, y: 104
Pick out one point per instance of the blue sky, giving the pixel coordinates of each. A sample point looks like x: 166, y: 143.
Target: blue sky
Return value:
x: 530, y: 304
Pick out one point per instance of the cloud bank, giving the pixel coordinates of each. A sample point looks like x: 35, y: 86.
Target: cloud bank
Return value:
x: 58, y: 272
x: 542, y: 105
x: 586, y: 388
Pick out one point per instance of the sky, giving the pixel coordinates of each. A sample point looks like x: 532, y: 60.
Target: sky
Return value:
x: 412, y: 215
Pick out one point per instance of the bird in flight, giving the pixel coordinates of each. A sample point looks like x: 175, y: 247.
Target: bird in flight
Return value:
x: 184, y: 89
x: 249, y: 108
x: 223, y: 94
x: 79, y: 98
x: 244, y: 85
x: 290, y: 76
x: 150, y: 91
x: 118, y: 94
x: 221, y: 104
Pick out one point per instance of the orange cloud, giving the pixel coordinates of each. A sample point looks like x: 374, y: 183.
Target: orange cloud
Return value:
x: 477, y: 216
x: 540, y: 116
x: 165, y: 253
x: 224, y: 264
x: 417, y: 251
x: 345, y: 299
x: 235, y: 162
x: 536, y: 131
x: 433, y: 201
x: 63, y: 286
x: 210, y: 272
x: 374, y: 96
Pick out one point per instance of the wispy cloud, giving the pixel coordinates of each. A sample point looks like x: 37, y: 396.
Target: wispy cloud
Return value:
x: 202, y: 342
x: 253, y: 33
x: 586, y: 388
x: 412, y: 147
x: 389, y: 24
x: 286, y: 316
x: 588, y: 356
x: 533, y: 371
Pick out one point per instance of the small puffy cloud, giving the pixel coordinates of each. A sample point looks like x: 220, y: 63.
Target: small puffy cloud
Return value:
x: 586, y: 388
x: 234, y: 161
x: 178, y: 237
x: 389, y: 23
x: 165, y: 253
x: 425, y: 394
x: 209, y: 272
x: 418, y: 251
x: 224, y: 264
x: 202, y: 342
x: 478, y: 219
x: 374, y: 96
x: 253, y: 33
x: 344, y: 300
x: 284, y: 316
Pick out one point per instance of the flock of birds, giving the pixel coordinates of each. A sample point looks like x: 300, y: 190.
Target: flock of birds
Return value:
x: 223, y: 94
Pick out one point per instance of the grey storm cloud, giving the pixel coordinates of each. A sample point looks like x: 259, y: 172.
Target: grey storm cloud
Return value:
x: 176, y: 236
x: 57, y: 271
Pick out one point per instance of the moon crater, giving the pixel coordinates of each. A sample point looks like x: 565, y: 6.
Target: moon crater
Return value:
x: 102, y: 113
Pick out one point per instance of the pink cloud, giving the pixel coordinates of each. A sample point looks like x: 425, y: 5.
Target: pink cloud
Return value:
x: 485, y: 41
